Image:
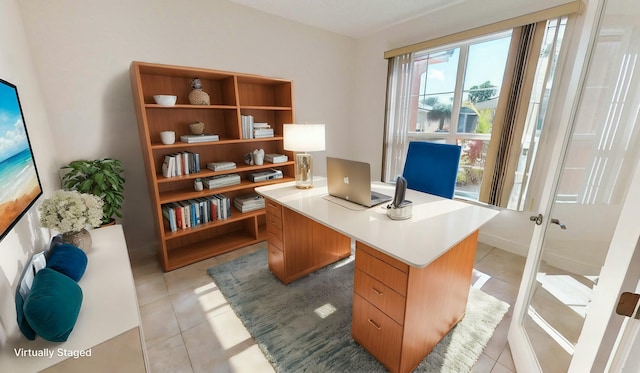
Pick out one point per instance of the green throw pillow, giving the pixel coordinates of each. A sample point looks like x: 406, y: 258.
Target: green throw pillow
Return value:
x: 53, y: 305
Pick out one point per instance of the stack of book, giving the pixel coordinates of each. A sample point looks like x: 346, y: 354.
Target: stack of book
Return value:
x: 249, y: 202
x: 219, y: 181
x: 220, y: 166
x: 247, y: 126
x: 178, y: 164
x: 261, y: 130
x: 207, y: 137
x: 193, y: 212
x: 276, y: 158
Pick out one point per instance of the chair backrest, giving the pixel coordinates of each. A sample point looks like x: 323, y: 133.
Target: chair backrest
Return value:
x: 432, y: 168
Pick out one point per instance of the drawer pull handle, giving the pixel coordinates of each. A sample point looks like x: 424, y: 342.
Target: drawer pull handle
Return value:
x: 376, y: 291
x: 374, y: 324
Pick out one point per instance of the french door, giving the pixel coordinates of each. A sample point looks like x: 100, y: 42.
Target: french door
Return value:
x: 586, y: 231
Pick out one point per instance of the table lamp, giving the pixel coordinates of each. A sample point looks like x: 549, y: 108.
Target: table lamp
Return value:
x: 304, y: 138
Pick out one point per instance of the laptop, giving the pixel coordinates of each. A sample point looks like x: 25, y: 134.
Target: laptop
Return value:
x: 351, y: 181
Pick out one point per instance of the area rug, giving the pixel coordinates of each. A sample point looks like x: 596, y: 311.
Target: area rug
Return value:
x: 306, y: 326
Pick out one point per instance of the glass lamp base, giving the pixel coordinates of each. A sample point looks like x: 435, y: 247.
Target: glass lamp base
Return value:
x: 304, y: 176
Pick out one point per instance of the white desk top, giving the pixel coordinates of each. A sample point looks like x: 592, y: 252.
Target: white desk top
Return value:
x: 436, y: 225
x: 109, y: 306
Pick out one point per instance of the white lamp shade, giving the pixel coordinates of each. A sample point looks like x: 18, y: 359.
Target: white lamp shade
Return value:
x: 304, y: 137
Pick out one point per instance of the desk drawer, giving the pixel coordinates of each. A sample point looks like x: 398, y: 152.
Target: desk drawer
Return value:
x: 380, y: 295
x: 274, y: 230
x: 275, y: 240
x: 276, y: 261
x: 377, y: 333
x: 273, y: 208
x: 274, y: 220
x: 382, y: 271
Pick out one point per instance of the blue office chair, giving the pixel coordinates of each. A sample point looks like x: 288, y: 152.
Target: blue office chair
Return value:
x: 432, y: 168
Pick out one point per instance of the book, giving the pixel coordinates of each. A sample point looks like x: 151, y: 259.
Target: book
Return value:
x: 247, y: 126
x: 170, y: 216
x: 275, y: 158
x: 219, y: 166
x: 263, y: 132
x: 169, y: 166
x: 249, y: 202
x: 199, y: 138
x: 221, y: 181
x: 261, y: 125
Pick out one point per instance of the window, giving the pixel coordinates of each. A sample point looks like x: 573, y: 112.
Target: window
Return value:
x: 486, y: 93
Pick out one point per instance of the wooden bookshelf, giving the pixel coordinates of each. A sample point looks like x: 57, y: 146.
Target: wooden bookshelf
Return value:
x: 231, y: 95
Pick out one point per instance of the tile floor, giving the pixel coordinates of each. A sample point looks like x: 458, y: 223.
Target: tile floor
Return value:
x: 189, y: 327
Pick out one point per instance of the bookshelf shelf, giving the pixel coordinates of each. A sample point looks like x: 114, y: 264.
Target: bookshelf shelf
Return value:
x: 209, y: 173
x: 232, y: 95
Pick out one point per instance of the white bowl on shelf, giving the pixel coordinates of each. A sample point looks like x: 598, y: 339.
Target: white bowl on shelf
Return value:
x: 165, y: 100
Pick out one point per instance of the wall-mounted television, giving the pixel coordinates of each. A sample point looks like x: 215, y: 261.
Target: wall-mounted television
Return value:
x: 19, y: 181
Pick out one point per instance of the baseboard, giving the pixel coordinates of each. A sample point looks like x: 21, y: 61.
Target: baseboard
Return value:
x: 558, y: 261
x: 501, y: 243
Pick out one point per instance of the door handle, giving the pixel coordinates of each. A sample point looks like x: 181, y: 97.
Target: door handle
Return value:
x: 537, y: 219
x: 556, y: 221
x: 628, y: 305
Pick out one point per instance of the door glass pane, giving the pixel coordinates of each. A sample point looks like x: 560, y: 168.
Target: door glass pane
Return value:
x: 604, y: 149
x: 536, y: 111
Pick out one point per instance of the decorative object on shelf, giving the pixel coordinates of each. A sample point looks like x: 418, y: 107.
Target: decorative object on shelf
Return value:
x: 248, y: 159
x: 168, y: 137
x: 196, y: 128
x: 70, y: 213
x: 197, y: 96
x: 100, y: 177
x: 258, y: 157
x: 304, y: 138
x: 197, y: 184
x: 165, y: 100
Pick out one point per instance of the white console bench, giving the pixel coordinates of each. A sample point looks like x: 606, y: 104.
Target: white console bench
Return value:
x: 108, y: 334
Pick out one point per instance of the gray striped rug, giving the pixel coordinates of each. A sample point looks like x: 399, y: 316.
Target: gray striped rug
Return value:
x: 306, y: 326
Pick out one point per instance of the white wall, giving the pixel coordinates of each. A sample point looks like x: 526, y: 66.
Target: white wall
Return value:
x: 26, y: 237
x: 82, y: 51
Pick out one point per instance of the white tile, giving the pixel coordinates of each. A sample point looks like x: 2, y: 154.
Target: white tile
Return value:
x: 194, y: 305
x: 169, y: 356
x: 158, y: 321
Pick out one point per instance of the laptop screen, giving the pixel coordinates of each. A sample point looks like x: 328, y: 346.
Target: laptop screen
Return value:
x: 350, y: 180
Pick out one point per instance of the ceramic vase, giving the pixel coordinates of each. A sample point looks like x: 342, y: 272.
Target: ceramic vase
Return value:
x: 196, y: 128
x: 258, y: 157
x: 197, y: 96
x: 81, y: 239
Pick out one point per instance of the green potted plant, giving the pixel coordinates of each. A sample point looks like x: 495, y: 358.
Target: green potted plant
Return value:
x: 100, y: 177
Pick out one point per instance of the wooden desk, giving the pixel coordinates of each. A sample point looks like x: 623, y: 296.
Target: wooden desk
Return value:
x: 412, y: 277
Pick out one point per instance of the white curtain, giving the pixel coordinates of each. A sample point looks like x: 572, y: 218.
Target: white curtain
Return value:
x: 397, y: 116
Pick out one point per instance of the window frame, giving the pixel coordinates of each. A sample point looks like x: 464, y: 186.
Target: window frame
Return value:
x: 513, y: 110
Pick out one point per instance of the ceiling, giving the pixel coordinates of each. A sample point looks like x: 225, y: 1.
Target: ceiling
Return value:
x: 354, y: 18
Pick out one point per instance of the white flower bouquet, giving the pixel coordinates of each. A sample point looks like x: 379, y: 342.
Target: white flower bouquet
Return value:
x: 70, y: 211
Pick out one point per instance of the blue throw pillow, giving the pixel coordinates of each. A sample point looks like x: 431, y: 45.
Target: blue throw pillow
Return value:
x: 68, y: 260
x: 53, y: 305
